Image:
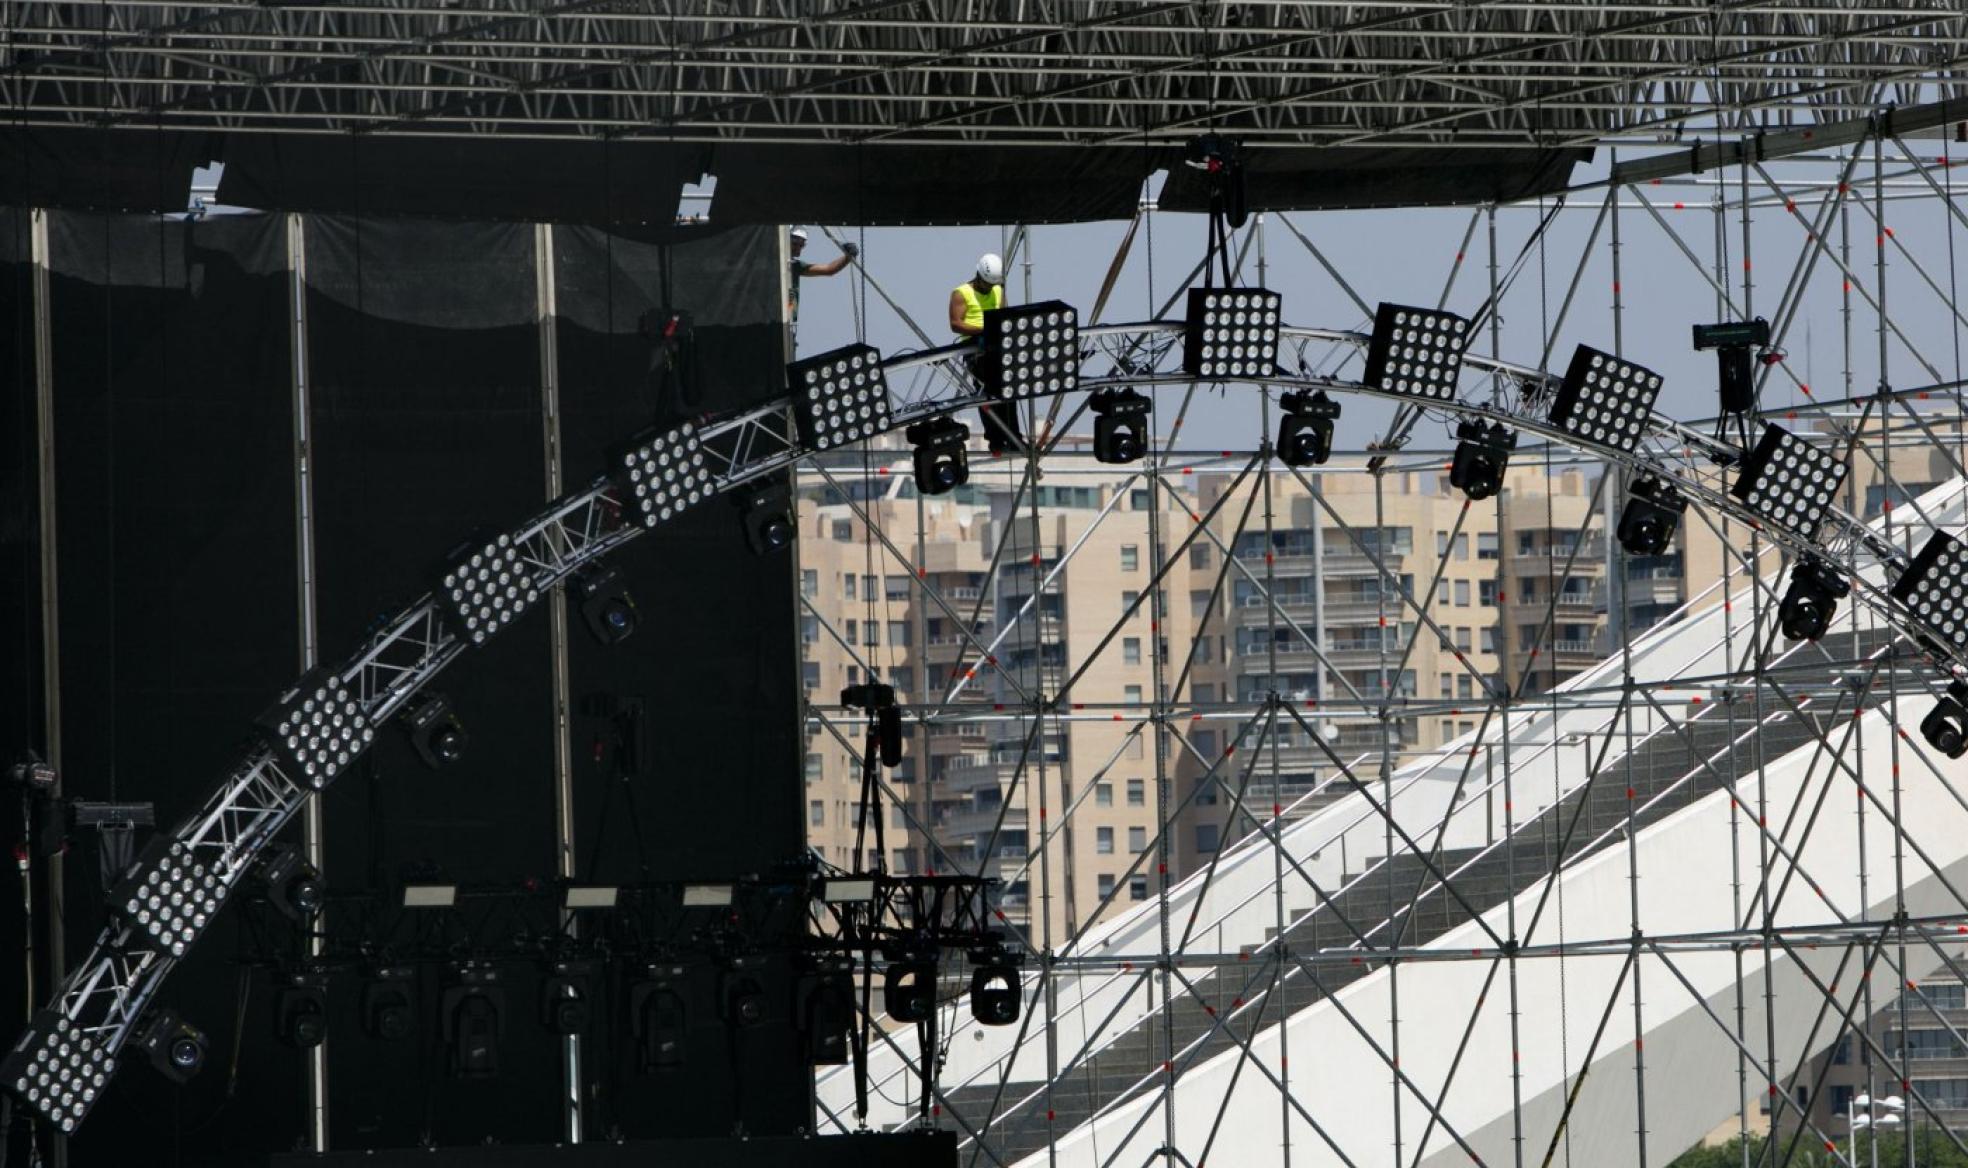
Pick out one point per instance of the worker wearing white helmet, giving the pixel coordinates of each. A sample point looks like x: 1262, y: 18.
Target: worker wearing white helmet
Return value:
x: 969, y: 302
x: 976, y: 296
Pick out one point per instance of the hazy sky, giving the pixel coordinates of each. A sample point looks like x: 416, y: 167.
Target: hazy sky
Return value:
x: 1405, y: 256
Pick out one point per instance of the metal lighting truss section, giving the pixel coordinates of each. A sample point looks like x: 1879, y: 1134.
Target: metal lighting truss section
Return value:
x: 1485, y: 73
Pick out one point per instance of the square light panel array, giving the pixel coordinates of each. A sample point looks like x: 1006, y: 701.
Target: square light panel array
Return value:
x: 172, y: 897
x: 1232, y: 332
x: 839, y: 397
x: 664, y: 473
x: 57, y: 1069
x: 1036, y: 349
x: 1789, y: 481
x: 1605, y: 400
x: 318, y: 728
x: 1416, y: 352
x: 1935, y: 588
x: 489, y: 589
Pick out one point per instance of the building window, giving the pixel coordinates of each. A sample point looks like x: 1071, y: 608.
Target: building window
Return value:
x: 809, y: 629
x: 1138, y: 499
x: 1130, y: 558
x: 853, y: 630
x: 1207, y: 837
x: 813, y: 768
x: 1946, y: 995
x: 809, y: 582
x: 1205, y: 792
x: 898, y: 633
x: 1465, y: 687
x: 1131, y: 650
x: 1462, y: 546
x: 1489, y: 639
x: 1132, y: 695
x: 1486, y: 593
x: 847, y: 586
x: 1103, y: 840
x: 872, y: 631
x: 895, y: 587
x: 1462, y: 638
x: 1462, y: 593
x: 844, y: 533
x: 1137, y: 839
x: 905, y: 860
x: 1199, y: 601
x: 1137, y: 791
x: 902, y: 677
x: 1138, y: 888
x: 810, y: 674
x: 1205, y: 743
x: 1441, y: 545
x: 854, y: 675
x: 1103, y: 794
x: 1129, y: 600
x: 1448, y: 686
x: 1842, y: 1053
x: 1105, y: 882
x: 816, y: 811
x: 1199, y: 555
x: 1486, y: 545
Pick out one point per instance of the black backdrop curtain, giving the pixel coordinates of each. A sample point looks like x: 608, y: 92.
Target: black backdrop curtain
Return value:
x: 179, y: 618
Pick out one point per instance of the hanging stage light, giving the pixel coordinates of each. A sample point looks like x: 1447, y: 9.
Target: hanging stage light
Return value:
x: 941, y: 462
x: 1732, y: 342
x: 171, y: 896
x: 1605, y: 400
x: 176, y: 1048
x: 1935, y: 588
x: 768, y: 518
x: 434, y: 730
x: 606, y: 605
x: 565, y: 1007
x: 1481, y: 456
x: 389, y: 1004
x: 1231, y: 332
x: 472, y: 1008
x: 659, y: 1017
x: 1120, y: 426
x: 317, y: 728
x: 488, y: 588
x: 909, y: 988
x: 1416, y: 352
x: 1305, y: 429
x: 1653, y: 510
x: 1031, y: 351
x: 839, y: 397
x: 1789, y: 481
x: 57, y: 1069
x: 1946, y: 725
x: 878, y: 700
x: 826, y: 1009
x: 285, y: 879
x: 1811, y: 600
x: 661, y: 474
x: 996, y: 989
x: 741, y: 991
x: 301, y: 1011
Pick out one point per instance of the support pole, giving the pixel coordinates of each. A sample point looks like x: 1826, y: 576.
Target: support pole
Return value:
x: 44, y: 426
x: 313, y: 842
x: 546, y: 310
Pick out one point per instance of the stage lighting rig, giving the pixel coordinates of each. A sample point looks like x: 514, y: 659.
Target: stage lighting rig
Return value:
x: 659, y: 1016
x: 663, y: 474
x: 768, y: 518
x: 1935, y: 588
x: 1734, y: 363
x: 285, y: 880
x: 1416, y: 352
x: 487, y: 587
x: 389, y: 1004
x: 1788, y: 481
x: 1946, y: 725
x: 839, y: 397
x: 1120, y: 426
x: 57, y: 1070
x: 170, y: 896
x: 1605, y: 400
x: 1652, y: 513
x: 473, y: 1007
x: 1231, y: 332
x: 1305, y: 429
x: 32, y: 775
x: 317, y: 727
x: 996, y: 987
x: 941, y: 462
x: 885, y: 725
x: 176, y: 1048
x: 606, y: 605
x: 301, y: 1011
x: 909, y: 987
x: 1030, y: 351
x: 1811, y: 600
x: 741, y: 991
x: 1481, y: 456
x: 435, y: 731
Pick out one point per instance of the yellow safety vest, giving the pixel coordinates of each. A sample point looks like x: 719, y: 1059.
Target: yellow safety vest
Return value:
x: 975, y: 305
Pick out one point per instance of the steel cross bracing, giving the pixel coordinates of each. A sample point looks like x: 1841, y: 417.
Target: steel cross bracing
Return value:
x: 1441, y: 73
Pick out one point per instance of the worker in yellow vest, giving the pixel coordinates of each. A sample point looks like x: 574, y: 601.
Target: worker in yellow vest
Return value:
x: 969, y: 301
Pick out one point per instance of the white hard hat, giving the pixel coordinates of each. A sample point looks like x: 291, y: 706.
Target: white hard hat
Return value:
x: 990, y: 269
x: 799, y: 233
